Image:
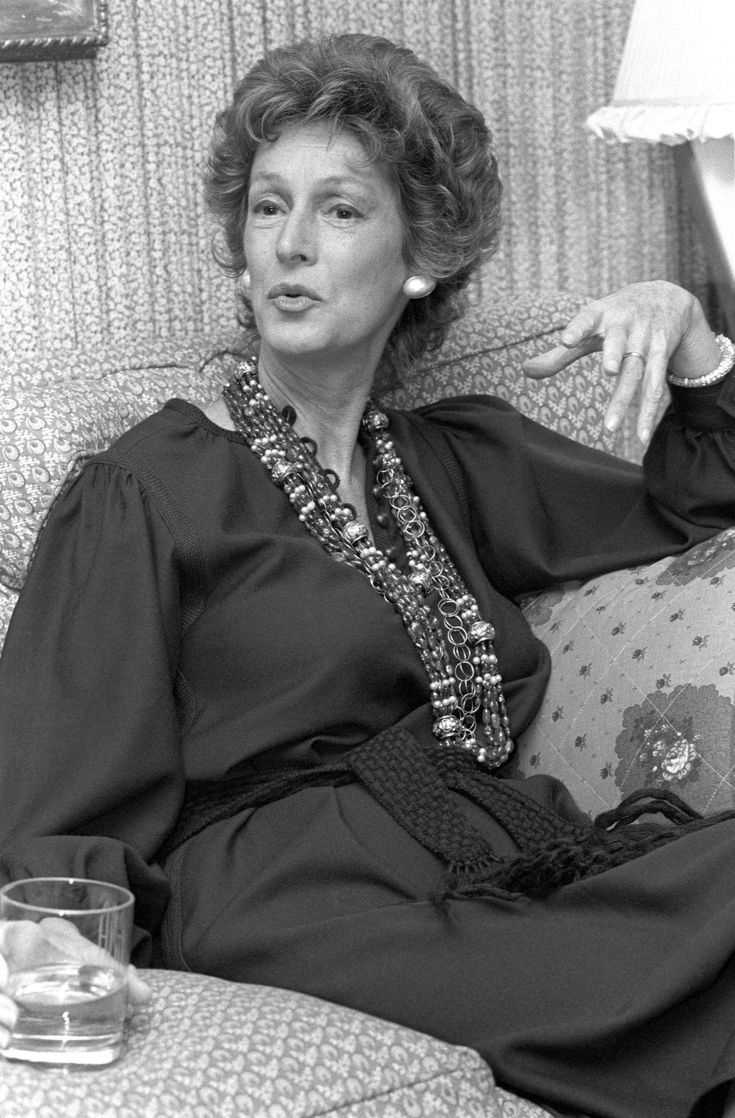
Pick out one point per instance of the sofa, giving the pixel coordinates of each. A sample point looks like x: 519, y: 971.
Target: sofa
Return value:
x: 642, y: 692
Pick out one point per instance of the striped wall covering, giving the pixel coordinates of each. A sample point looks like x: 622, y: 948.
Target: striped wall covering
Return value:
x: 103, y: 234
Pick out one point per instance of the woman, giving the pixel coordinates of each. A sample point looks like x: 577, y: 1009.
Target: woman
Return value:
x: 268, y: 655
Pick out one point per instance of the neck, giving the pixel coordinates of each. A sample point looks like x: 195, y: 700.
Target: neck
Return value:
x: 328, y: 410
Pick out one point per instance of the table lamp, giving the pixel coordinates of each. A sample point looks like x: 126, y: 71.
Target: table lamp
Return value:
x: 676, y: 86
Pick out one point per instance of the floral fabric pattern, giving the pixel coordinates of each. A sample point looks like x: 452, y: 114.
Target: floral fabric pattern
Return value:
x: 512, y: 1106
x: 56, y: 412
x: 207, y: 1048
x: 711, y: 559
x: 669, y: 750
x: 8, y: 598
x: 642, y: 690
x: 484, y: 353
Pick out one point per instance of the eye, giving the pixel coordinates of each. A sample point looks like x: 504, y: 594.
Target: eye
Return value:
x: 265, y: 207
x: 344, y: 212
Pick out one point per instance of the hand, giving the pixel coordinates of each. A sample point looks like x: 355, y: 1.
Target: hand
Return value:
x: 51, y: 941
x: 642, y: 330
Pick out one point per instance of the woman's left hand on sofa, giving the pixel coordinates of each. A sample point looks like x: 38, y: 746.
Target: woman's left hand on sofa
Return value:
x: 643, y: 331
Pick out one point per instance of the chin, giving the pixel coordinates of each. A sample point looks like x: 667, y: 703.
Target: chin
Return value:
x: 293, y: 343
x: 289, y: 333
x: 300, y: 339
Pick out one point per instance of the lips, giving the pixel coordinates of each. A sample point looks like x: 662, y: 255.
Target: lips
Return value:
x: 293, y: 291
x: 292, y: 298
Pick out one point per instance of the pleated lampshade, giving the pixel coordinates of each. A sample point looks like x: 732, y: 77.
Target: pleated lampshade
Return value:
x: 677, y: 75
x: 676, y: 86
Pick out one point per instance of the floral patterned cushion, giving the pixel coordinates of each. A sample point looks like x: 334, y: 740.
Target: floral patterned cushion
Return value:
x: 642, y: 689
x: 207, y: 1048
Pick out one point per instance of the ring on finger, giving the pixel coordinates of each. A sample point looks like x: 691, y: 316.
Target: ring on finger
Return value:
x: 633, y: 353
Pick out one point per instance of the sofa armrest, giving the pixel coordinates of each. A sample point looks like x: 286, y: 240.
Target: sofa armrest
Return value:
x: 207, y: 1048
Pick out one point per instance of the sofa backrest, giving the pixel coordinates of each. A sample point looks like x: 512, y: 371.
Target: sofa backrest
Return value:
x: 103, y: 229
x: 57, y: 410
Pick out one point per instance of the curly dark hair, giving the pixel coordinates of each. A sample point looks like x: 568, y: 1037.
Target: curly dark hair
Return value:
x: 407, y: 117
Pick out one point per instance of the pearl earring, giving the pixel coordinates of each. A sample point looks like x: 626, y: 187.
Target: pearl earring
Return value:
x: 418, y: 287
x: 244, y: 282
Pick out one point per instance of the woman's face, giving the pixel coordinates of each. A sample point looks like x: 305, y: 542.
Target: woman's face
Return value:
x: 323, y: 241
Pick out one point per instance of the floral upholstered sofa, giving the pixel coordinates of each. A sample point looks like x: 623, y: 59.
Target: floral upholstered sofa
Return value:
x: 642, y: 692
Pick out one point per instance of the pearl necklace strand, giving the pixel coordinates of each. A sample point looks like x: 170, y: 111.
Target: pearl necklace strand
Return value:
x: 455, y: 644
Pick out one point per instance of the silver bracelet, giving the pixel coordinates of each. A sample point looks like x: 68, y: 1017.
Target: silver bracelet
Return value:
x: 727, y: 349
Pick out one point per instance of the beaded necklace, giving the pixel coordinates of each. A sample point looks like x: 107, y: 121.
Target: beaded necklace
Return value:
x: 455, y: 644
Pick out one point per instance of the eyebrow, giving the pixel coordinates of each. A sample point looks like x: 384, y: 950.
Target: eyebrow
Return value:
x: 332, y: 182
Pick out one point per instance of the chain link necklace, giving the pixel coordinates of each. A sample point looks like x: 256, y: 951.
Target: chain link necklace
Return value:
x: 454, y: 642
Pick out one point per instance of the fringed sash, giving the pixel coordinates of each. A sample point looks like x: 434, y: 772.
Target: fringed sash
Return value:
x: 412, y: 781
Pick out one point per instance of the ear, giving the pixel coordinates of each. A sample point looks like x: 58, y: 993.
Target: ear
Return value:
x: 418, y: 287
x: 244, y: 283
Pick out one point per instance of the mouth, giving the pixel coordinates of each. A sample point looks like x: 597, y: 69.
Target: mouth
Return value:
x: 292, y: 290
x: 293, y: 297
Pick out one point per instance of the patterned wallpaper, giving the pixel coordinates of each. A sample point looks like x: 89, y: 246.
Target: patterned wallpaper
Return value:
x: 103, y: 234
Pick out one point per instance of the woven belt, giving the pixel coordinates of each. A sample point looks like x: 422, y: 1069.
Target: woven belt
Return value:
x: 413, y: 781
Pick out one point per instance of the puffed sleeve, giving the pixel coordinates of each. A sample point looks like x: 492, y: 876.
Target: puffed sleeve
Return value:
x: 690, y: 466
x: 544, y: 509
x: 90, y: 765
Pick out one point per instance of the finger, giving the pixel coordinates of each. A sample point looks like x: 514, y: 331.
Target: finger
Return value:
x: 551, y: 362
x: 583, y: 327
x: 68, y: 941
x: 8, y: 1018
x: 630, y: 368
x: 653, y: 389
x: 62, y: 933
x: 139, y: 992
x: 616, y: 348
x: 66, y: 937
x: 579, y: 338
x: 24, y: 945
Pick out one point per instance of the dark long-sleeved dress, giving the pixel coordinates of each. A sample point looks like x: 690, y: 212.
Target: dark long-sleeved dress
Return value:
x: 180, y: 624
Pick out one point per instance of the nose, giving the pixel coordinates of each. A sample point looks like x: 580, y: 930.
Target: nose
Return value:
x: 297, y: 239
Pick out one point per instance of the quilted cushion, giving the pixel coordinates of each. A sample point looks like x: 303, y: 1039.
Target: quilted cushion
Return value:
x: 207, y: 1048
x: 642, y: 690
